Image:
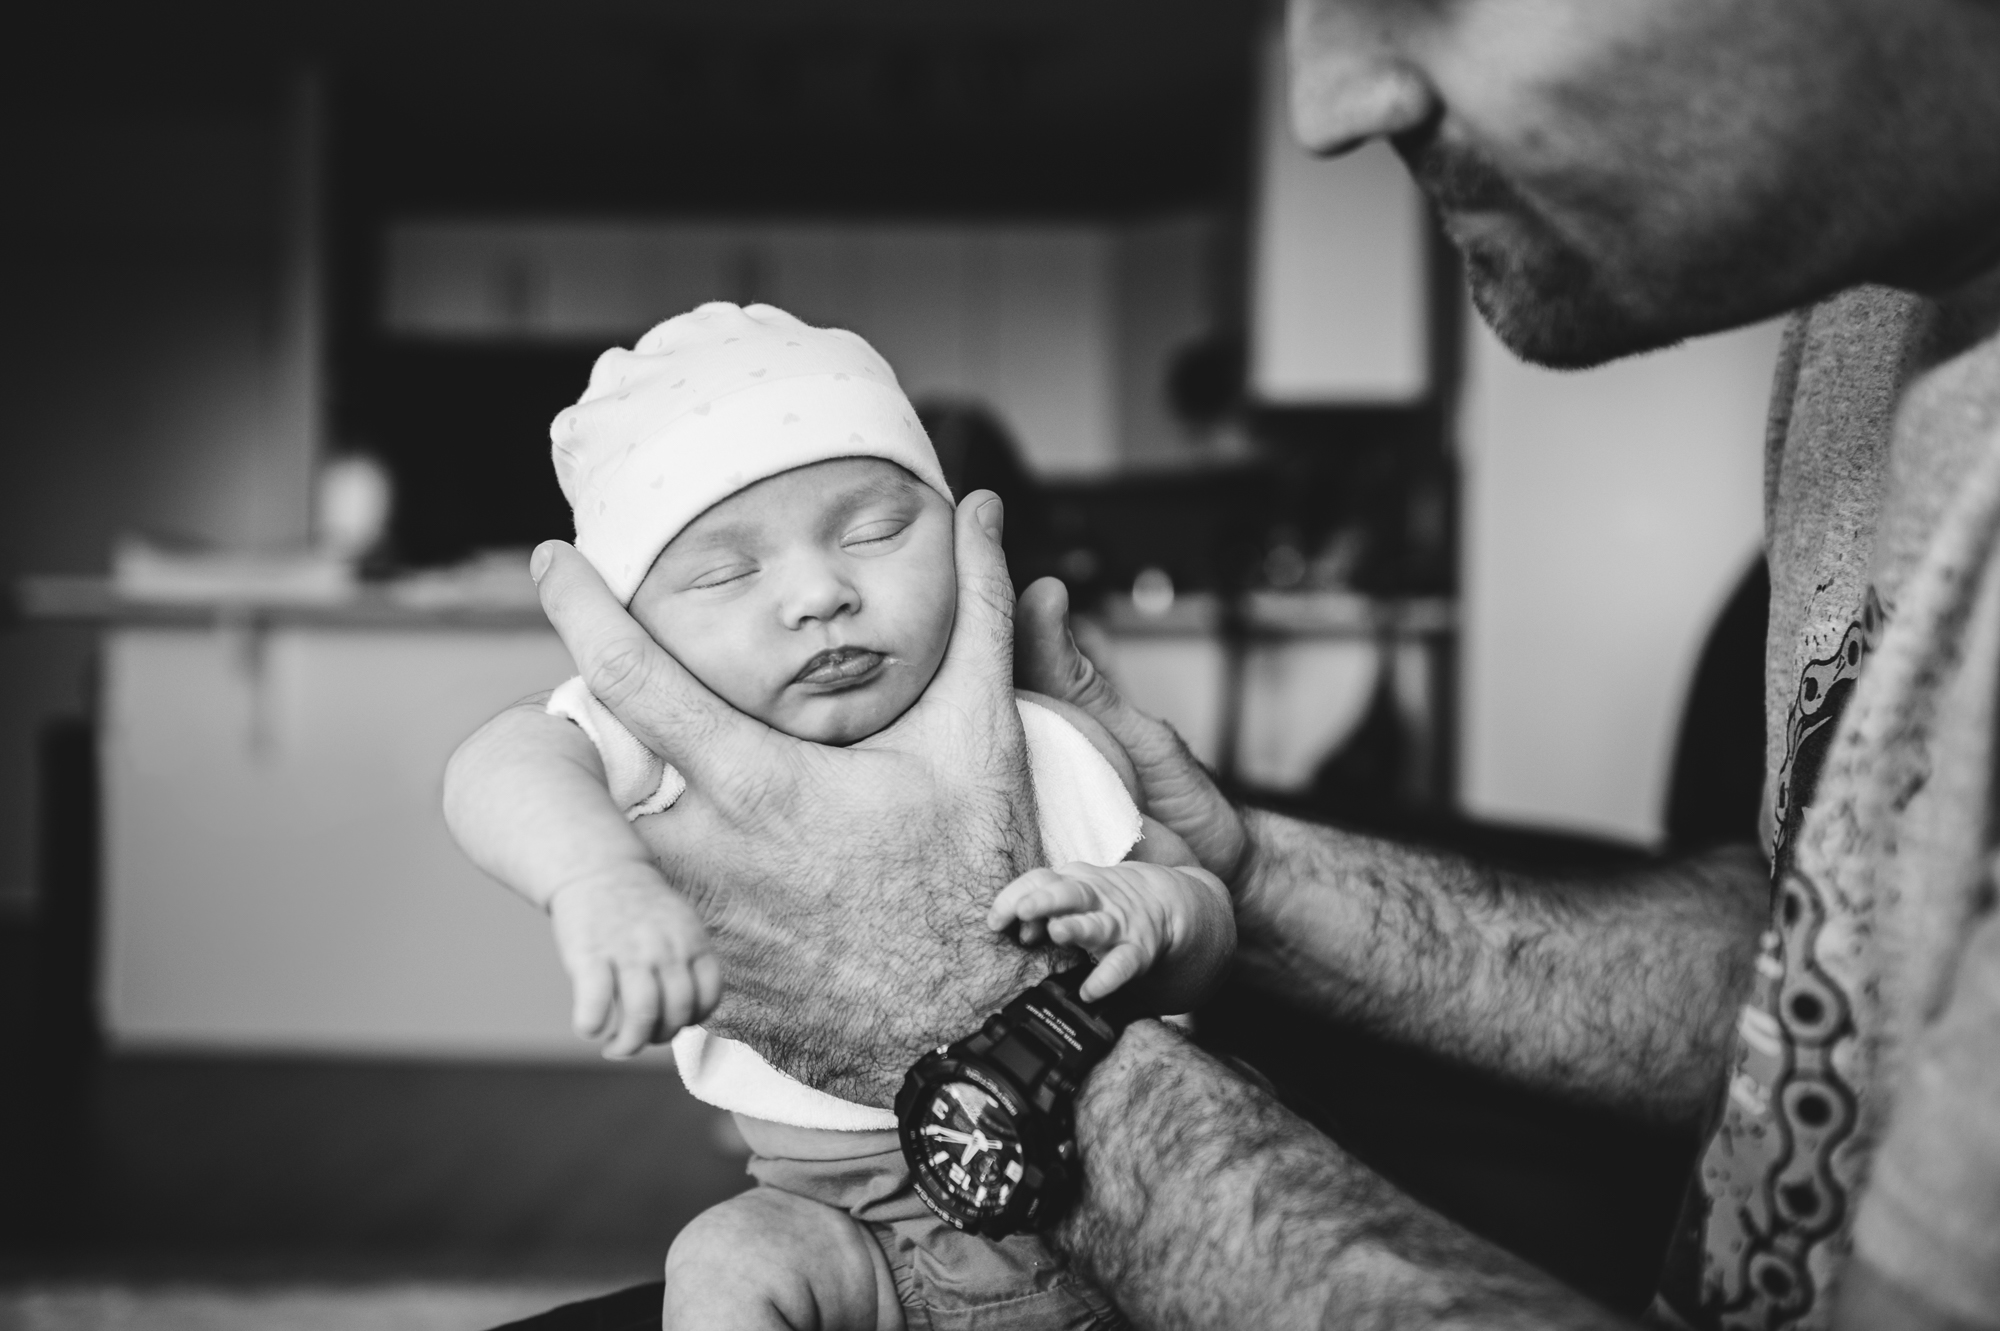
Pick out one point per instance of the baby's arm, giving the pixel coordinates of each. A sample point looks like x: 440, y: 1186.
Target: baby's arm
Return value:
x: 1159, y: 914
x: 1172, y: 924
x: 525, y: 796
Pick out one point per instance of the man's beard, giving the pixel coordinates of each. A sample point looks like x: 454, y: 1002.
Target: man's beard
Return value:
x: 1538, y: 292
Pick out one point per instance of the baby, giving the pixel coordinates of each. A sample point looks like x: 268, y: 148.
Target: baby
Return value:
x: 760, y: 495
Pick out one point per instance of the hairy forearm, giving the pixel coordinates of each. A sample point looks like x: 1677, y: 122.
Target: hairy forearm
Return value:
x: 1207, y: 1204
x: 1615, y: 990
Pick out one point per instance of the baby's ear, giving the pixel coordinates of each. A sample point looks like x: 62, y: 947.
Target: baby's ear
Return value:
x: 1100, y: 739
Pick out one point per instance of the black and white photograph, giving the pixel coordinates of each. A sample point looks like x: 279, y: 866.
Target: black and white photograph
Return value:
x: 1074, y: 665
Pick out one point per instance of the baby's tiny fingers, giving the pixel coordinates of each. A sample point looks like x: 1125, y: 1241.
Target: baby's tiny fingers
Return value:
x: 1057, y: 894
x: 678, y: 1009
x: 707, y: 984
x: 1119, y: 966
x: 1006, y: 907
x: 638, y: 1011
x: 1093, y: 932
x: 590, y: 1007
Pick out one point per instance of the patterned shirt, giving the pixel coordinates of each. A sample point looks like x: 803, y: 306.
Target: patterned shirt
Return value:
x: 1863, y: 1104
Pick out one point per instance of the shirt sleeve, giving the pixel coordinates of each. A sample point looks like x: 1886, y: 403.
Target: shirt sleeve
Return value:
x: 641, y: 782
x: 1931, y: 1217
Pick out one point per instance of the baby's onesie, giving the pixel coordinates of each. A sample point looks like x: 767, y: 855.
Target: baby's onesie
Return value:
x: 846, y: 1155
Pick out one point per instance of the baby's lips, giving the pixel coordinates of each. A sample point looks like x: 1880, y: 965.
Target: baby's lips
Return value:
x: 839, y: 663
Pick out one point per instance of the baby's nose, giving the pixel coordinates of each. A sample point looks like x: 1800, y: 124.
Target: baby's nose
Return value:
x: 817, y: 593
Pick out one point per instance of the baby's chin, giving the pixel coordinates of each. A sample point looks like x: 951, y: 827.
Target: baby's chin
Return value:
x: 842, y: 718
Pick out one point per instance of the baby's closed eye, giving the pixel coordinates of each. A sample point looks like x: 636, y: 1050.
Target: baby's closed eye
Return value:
x: 722, y: 575
x: 875, y: 533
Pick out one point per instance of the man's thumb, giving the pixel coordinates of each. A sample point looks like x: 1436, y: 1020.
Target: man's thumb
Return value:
x: 1046, y: 659
x: 991, y: 516
x: 985, y: 627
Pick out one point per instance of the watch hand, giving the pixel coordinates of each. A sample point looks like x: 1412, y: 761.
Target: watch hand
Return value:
x: 947, y: 1134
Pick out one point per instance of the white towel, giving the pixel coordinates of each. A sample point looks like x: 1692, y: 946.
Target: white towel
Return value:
x: 1085, y: 813
x: 640, y: 781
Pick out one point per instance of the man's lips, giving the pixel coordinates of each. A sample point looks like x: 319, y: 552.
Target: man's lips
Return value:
x: 838, y: 666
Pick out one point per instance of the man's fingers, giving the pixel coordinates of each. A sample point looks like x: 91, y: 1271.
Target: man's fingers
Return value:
x: 1179, y: 791
x: 638, y: 1011
x: 1046, y: 657
x: 1049, y: 662
x: 978, y: 669
x: 666, y: 708
x: 590, y: 1007
x: 1118, y: 968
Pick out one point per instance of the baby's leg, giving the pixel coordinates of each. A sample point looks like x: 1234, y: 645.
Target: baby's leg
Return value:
x: 768, y: 1261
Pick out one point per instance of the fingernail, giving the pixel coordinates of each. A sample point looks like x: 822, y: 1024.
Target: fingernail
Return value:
x: 538, y: 562
x: 993, y: 517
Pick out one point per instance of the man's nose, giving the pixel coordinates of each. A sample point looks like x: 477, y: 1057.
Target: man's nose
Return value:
x: 1351, y: 79
x: 818, y: 591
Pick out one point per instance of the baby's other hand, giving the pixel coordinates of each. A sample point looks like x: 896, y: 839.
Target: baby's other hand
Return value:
x: 1173, y: 925
x: 637, y: 956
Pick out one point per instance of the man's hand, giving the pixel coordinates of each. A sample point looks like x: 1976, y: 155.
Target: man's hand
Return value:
x: 638, y: 959
x: 1178, y: 789
x: 845, y: 890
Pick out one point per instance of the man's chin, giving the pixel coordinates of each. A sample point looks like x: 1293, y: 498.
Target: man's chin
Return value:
x: 1555, y: 314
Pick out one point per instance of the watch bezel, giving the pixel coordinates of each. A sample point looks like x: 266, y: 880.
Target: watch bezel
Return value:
x: 1046, y: 1174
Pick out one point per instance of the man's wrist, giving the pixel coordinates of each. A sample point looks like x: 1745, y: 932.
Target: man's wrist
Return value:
x: 1126, y: 1078
x: 1028, y: 968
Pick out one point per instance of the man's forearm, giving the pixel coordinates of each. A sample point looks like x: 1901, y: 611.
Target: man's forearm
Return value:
x: 1619, y: 991
x: 1206, y: 1204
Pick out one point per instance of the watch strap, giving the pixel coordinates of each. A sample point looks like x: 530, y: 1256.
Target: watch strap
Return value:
x: 1048, y: 1039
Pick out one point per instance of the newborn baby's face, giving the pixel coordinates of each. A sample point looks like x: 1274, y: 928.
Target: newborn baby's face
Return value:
x: 819, y: 601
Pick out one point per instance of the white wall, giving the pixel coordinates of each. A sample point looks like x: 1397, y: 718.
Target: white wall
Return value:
x: 1337, y: 307
x: 1607, y: 516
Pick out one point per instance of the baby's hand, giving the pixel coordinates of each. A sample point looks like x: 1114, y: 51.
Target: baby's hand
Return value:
x: 637, y: 957
x: 1176, y: 923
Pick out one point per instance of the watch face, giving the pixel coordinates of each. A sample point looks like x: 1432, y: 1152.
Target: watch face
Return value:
x: 970, y: 1148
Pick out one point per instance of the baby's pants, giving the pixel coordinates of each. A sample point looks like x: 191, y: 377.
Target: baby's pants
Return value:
x: 947, y: 1280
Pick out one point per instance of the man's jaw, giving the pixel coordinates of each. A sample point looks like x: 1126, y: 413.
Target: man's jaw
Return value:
x: 1536, y: 289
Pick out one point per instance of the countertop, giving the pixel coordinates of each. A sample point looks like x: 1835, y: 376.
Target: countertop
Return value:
x: 426, y: 603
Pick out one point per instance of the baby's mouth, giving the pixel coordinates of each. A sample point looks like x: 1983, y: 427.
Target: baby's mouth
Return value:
x: 841, y: 667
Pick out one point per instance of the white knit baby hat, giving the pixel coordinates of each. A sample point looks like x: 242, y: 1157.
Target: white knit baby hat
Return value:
x: 707, y: 403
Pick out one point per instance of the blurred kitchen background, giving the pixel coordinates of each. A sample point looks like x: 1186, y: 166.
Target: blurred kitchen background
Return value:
x: 293, y: 292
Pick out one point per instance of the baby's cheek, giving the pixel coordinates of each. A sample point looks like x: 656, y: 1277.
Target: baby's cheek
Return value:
x: 739, y: 674
x: 933, y: 629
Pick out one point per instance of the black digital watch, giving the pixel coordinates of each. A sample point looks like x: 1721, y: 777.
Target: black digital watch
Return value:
x: 988, y: 1123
